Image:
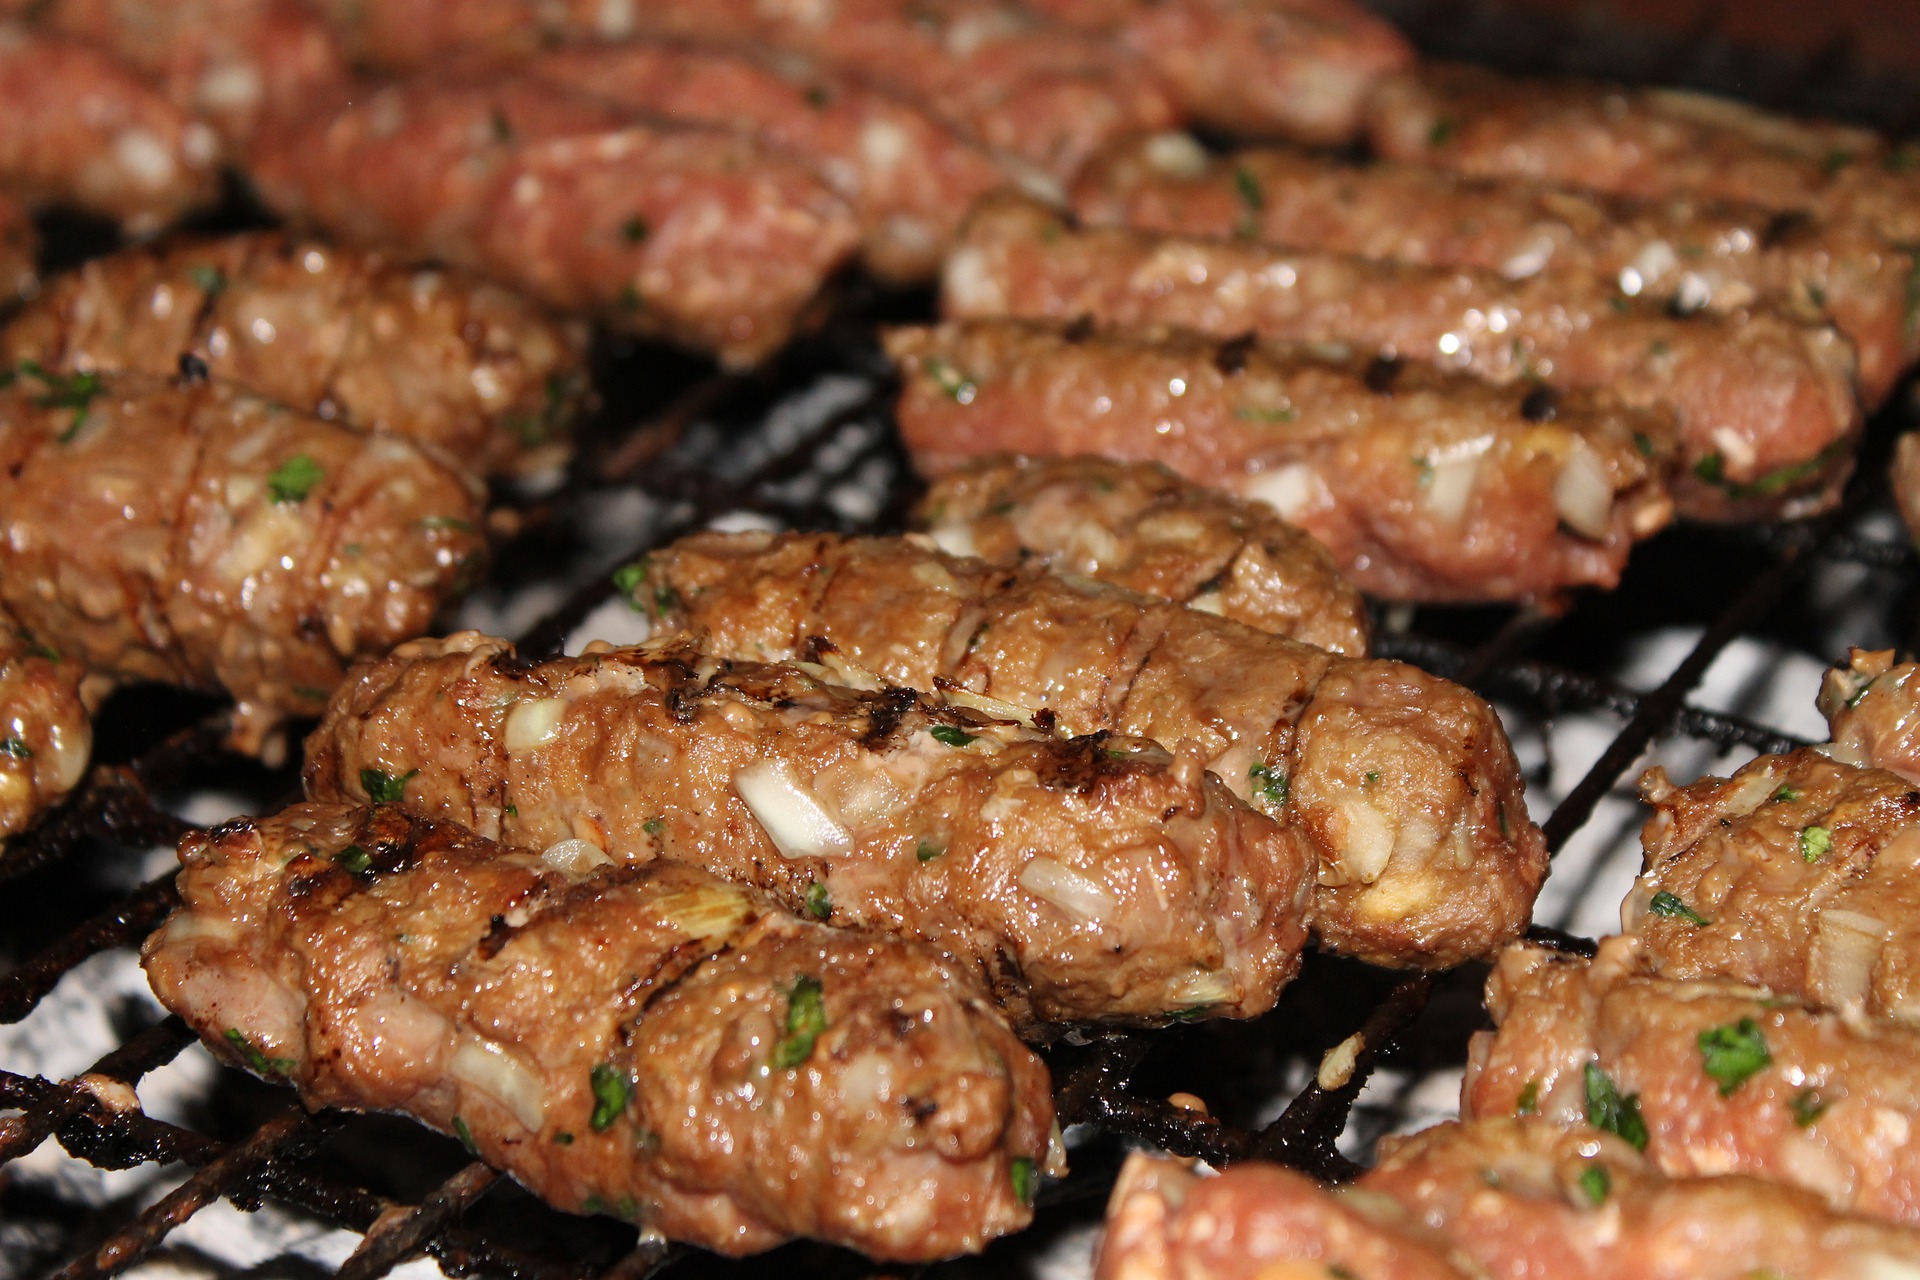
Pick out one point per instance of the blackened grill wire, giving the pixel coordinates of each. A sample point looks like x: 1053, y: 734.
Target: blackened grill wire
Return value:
x: 1107, y: 1084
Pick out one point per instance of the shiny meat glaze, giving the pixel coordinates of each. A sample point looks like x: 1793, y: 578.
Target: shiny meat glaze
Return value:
x: 1766, y: 405
x: 1814, y: 1100
x: 620, y: 1039
x: 1797, y: 874
x: 1872, y: 707
x: 222, y: 61
x: 1646, y: 142
x: 19, y: 245
x: 1093, y: 879
x: 1688, y: 253
x: 82, y: 130
x: 1257, y: 1221
x: 1299, y: 70
x: 1423, y: 485
x: 908, y: 177
x: 698, y: 236
x: 1139, y: 526
x: 344, y: 333
x: 197, y: 535
x: 1404, y: 784
x: 46, y: 734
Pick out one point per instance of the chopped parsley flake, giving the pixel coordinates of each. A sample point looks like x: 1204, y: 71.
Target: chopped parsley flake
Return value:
x: 465, y: 1135
x: 1267, y: 783
x: 635, y: 230
x: 628, y: 580
x: 1814, y: 843
x: 952, y: 736
x: 15, y: 747
x: 1643, y: 443
x: 611, y: 1090
x: 817, y: 97
x: 257, y: 1062
x: 819, y: 905
x: 1252, y: 197
x: 1807, y: 1106
x: 806, y: 1019
x: 1441, y: 133
x: 959, y: 388
x: 1596, y: 1183
x: 354, y: 859
x: 561, y: 1138
x: 927, y: 851
x: 73, y: 391
x: 1529, y: 1100
x: 1608, y: 1109
x: 384, y: 788
x: 1837, y: 159
x: 295, y: 478
x: 1733, y: 1053
x: 1423, y: 472
x: 1670, y: 905
x: 1024, y: 1178
x: 1786, y: 795
x: 654, y: 826
x: 209, y: 280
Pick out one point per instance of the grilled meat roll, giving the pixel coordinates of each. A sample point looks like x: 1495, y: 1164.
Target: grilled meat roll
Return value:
x: 1098, y: 878
x: 1797, y: 874
x: 1707, y: 1078
x: 201, y: 536
x: 46, y: 733
x: 1646, y: 142
x: 646, y: 1041
x: 82, y: 130
x: 1423, y: 485
x: 1403, y: 785
x: 908, y: 177
x: 343, y: 333
x: 1871, y: 711
x: 1139, y: 526
x: 1298, y: 69
x: 1766, y: 406
x: 1689, y: 253
x: 699, y: 236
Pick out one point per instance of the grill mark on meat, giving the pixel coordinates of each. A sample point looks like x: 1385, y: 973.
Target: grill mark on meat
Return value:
x: 1080, y: 330
x: 1231, y: 357
x: 498, y: 934
x: 1542, y: 404
x: 1382, y: 372
x: 1784, y: 227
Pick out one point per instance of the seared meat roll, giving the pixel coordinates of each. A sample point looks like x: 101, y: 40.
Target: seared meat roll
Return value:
x: 197, y: 535
x: 1646, y: 142
x: 1797, y: 874
x: 908, y: 177
x: 699, y: 236
x: 46, y: 734
x: 343, y: 333
x: 1298, y: 69
x: 1872, y: 707
x: 1404, y: 785
x: 1766, y: 405
x: 1423, y: 485
x: 1098, y: 878
x: 1686, y: 252
x: 1139, y: 526
x: 82, y: 130
x: 1706, y: 1078
x: 645, y: 1041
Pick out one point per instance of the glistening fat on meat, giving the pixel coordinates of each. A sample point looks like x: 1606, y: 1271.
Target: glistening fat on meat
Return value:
x: 46, y: 733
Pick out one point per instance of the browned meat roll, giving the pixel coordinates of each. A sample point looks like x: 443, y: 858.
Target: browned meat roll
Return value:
x: 1097, y: 878
x: 46, y: 734
x: 1706, y: 1078
x: 1686, y: 252
x: 761, y: 1078
x: 1766, y: 405
x: 1423, y: 485
x: 82, y: 130
x: 1403, y: 784
x: 197, y: 535
x: 1139, y: 526
x: 1646, y: 142
x: 344, y: 333
x: 1872, y: 707
x: 19, y: 247
x: 699, y: 236
x: 1298, y: 68
x: 908, y: 177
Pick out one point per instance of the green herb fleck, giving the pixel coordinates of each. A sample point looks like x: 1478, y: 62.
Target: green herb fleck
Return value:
x: 959, y: 388
x: 312, y: 693
x: 1441, y: 132
x: 257, y: 1062
x: 1712, y: 468
x: 1733, y: 1053
x: 1807, y: 1106
x: 951, y: 735
x: 927, y: 851
x: 1903, y: 159
x: 73, y: 391
x: 465, y: 1135
x: 512, y: 811
x: 1373, y: 776
x: 806, y: 1019
x: 635, y: 230
x: 502, y: 127
x: 1607, y: 1109
x: 15, y: 747
x: 1337, y: 1272
x: 384, y: 788
x: 654, y: 826
x: 1658, y: 348
x: 1422, y: 472
x: 1529, y: 1101
x: 561, y: 1138
x: 1596, y: 1182
x: 629, y: 578
x: 295, y: 478
x: 630, y: 299
x: 1644, y: 443
x: 1786, y: 795
x: 611, y: 1090
x: 1837, y: 159
x: 819, y: 905
x: 1025, y: 1181
x: 354, y: 859
x: 1253, y: 198
x: 1620, y: 305
x: 452, y: 524
x: 1247, y: 413
x: 1267, y: 783
x: 818, y: 97
x: 1816, y: 295
x: 208, y: 280
x: 1814, y: 843
x: 1669, y: 904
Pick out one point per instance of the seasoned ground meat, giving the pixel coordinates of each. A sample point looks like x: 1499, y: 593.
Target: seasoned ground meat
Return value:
x: 1872, y: 706
x: 1139, y: 526
x: 1424, y: 485
x: 1097, y: 878
x: 643, y: 1041
x: 347, y: 334
x: 1766, y: 405
x: 46, y: 734
x: 1403, y: 785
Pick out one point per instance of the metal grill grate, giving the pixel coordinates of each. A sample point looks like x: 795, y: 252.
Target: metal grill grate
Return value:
x: 806, y: 443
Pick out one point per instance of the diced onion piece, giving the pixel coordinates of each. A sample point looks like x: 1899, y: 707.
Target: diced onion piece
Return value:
x: 533, y: 722
x: 1289, y: 490
x: 1368, y: 843
x: 1842, y: 753
x: 1061, y: 886
x: 995, y: 707
x: 793, y: 818
x: 1582, y: 493
x: 574, y: 857
x: 498, y: 1074
x: 1336, y: 1068
x: 954, y: 539
x: 1176, y: 154
x: 1205, y: 987
x: 1879, y: 1266
x: 1451, y: 487
x: 706, y: 912
x: 1846, y: 950
x: 1207, y: 602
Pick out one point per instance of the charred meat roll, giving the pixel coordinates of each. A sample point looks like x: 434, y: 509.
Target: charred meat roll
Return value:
x: 82, y: 130
x: 1423, y: 485
x: 1689, y: 253
x: 46, y: 733
x: 1872, y: 708
x: 197, y: 535
x: 699, y: 236
x: 1646, y: 142
x: 908, y: 177
x: 1088, y: 879
x: 1766, y: 405
x: 1799, y: 873
x: 343, y: 333
x: 1707, y: 1078
x: 1139, y: 526
x: 645, y: 1041
x: 1299, y: 70
x: 1403, y: 785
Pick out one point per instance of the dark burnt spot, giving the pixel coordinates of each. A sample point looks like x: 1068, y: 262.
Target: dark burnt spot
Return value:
x: 306, y: 884
x: 1080, y: 330
x: 499, y: 932
x: 1382, y: 373
x: 1785, y: 226
x: 1231, y: 357
x: 815, y: 649
x: 921, y: 1109
x: 1169, y: 813
x: 1542, y: 404
x: 685, y: 689
x: 193, y: 370
x: 885, y: 711
x: 513, y: 662
x: 902, y: 1023
x: 1045, y: 720
x: 1079, y: 764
